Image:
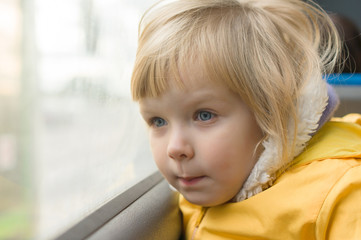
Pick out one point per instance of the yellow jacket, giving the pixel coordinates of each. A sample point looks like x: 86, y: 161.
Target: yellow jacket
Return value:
x: 319, y: 197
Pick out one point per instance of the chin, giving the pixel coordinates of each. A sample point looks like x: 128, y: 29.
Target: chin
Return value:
x: 205, y: 202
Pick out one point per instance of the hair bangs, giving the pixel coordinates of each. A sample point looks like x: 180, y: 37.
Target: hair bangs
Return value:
x: 197, y: 38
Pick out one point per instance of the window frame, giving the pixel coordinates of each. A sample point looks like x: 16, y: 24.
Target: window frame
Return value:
x: 108, y: 211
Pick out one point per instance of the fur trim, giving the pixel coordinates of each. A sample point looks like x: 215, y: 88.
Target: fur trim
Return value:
x: 312, y: 102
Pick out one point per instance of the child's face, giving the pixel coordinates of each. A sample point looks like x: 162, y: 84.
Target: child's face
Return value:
x: 203, y: 139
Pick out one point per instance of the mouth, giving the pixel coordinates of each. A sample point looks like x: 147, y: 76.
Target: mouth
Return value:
x: 190, y: 181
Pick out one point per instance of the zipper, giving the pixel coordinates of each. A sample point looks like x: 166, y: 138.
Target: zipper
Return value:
x: 198, y: 222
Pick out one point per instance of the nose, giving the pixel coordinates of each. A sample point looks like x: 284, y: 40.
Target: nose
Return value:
x: 180, y: 146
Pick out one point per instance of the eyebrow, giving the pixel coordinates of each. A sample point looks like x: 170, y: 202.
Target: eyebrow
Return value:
x: 207, y: 96
x: 148, y: 107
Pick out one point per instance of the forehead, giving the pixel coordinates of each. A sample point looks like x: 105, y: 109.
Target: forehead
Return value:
x: 194, y: 89
x: 191, y: 76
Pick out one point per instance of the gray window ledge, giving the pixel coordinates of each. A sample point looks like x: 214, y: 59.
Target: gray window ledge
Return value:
x: 149, y: 210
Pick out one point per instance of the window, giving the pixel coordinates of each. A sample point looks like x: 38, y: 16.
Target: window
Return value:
x: 70, y: 137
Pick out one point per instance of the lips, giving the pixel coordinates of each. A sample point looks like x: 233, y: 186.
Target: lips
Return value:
x: 190, y: 181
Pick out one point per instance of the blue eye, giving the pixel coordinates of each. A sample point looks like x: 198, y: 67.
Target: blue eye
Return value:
x: 158, y: 122
x: 205, y: 116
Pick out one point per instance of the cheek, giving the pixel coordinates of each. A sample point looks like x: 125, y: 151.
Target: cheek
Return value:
x: 158, y: 149
x: 221, y: 157
x: 232, y: 157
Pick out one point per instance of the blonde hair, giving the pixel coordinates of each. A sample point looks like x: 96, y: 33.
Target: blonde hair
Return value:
x: 264, y: 50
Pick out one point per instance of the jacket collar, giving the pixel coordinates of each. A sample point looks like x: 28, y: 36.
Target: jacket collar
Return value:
x: 339, y: 138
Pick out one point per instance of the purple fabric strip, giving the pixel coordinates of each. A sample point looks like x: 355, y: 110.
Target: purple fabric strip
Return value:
x: 332, y: 104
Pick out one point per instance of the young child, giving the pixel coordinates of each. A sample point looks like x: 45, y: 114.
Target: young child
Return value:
x: 238, y: 111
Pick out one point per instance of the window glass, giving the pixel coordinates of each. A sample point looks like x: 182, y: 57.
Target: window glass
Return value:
x: 71, y: 139
x: 14, y: 209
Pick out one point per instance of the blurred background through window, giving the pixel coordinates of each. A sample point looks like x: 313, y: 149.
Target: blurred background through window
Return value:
x: 70, y: 137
